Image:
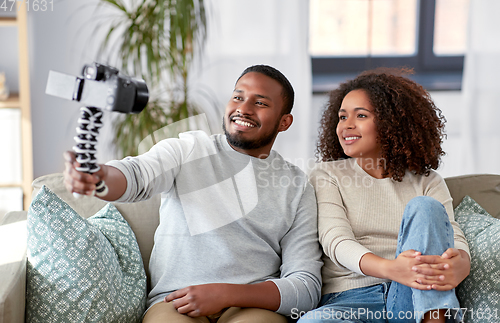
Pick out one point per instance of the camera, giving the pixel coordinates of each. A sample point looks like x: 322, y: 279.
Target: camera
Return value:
x: 100, y: 86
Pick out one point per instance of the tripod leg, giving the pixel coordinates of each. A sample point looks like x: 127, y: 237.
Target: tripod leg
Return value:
x: 89, y: 124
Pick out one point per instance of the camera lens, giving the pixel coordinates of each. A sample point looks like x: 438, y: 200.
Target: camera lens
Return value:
x: 141, y: 96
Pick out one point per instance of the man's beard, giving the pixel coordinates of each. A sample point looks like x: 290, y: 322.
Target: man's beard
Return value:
x: 237, y: 141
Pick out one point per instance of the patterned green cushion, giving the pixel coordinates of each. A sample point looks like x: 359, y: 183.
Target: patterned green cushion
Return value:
x: 480, y: 291
x: 81, y: 270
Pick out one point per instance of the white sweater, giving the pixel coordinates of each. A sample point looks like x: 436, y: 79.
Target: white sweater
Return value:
x: 359, y: 214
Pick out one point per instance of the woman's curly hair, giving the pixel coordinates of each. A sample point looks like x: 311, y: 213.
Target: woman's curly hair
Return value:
x: 410, y: 127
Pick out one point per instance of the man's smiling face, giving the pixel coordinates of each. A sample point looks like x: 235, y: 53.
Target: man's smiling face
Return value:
x: 254, y: 114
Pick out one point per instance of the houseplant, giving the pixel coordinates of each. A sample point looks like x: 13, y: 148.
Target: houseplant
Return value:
x: 157, y: 40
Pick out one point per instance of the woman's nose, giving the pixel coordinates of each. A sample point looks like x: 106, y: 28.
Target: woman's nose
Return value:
x: 349, y: 123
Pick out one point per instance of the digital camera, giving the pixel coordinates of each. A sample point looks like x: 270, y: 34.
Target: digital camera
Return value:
x: 100, y: 86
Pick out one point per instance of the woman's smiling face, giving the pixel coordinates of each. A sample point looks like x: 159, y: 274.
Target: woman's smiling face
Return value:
x: 356, y: 130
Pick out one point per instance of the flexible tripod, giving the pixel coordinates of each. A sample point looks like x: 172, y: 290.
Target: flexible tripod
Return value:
x: 89, y: 124
x: 99, y: 87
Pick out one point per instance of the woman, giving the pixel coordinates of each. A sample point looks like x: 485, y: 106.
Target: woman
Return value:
x: 386, y: 220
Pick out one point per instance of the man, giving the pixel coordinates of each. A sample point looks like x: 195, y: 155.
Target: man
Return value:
x: 237, y: 240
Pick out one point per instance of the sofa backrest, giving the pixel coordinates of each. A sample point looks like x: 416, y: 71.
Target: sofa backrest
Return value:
x: 482, y: 188
x: 143, y: 217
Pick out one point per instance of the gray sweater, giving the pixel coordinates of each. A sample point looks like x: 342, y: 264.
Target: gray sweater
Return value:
x: 227, y: 217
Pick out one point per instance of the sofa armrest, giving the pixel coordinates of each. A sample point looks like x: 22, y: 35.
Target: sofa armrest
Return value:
x: 13, y: 239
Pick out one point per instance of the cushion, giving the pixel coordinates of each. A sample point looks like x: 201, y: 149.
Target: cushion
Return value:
x: 143, y: 217
x: 480, y: 291
x: 81, y: 270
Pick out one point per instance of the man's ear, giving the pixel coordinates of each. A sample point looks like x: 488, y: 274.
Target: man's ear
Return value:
x: 285, y: 122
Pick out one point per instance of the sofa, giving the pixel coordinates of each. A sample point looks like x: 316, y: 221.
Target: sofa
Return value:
x: 143, y: 220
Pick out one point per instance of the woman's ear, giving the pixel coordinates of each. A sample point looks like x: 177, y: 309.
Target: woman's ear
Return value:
x: 285, y: 122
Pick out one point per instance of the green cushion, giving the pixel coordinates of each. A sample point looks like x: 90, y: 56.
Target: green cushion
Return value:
x: 81, y: 270
x: 480, y: 291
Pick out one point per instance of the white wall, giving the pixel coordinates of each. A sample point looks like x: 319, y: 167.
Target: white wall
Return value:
x: 60, y: 40
x: 244, y: 33
x: 63, y: 40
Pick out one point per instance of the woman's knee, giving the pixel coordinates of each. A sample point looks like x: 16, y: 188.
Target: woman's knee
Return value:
x: 425, y: 207
x: 425, y: 227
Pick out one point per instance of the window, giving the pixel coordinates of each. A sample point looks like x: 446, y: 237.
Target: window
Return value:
x: 349, y: 36
x: 450, y: 27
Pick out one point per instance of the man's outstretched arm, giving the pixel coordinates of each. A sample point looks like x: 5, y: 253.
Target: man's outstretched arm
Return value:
x: 208, y: 299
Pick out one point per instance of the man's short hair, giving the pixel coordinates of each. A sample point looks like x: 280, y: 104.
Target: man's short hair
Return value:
x: 287, y: 93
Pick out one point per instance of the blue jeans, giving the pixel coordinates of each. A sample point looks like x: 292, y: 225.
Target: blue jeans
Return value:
x: 425, y: 227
